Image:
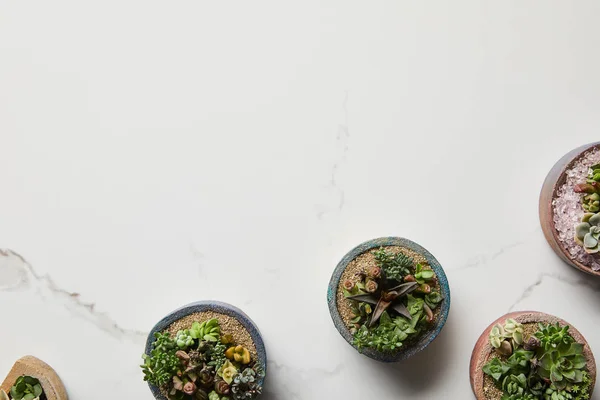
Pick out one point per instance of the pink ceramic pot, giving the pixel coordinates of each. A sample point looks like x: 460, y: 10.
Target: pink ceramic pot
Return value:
x: 483, y: 349
x: 555, y: 179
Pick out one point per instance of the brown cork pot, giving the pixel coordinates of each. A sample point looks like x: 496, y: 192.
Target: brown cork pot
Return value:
x: 482, y: 348
x: 31, y: 366
x: 554, y: 180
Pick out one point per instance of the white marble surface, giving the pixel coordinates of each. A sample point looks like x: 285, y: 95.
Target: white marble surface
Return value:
x: 158, y: 153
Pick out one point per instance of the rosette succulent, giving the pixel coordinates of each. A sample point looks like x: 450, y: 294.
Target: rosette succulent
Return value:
x: 26, y: 388
x: 245, y: 385
x: 514, y: 384
x: 505, y: 338
x: 227, y: 371
x: 184, y: 339
x: 496, y: 369
x: 552, y: 336
x: 564, y: 365
x: 587, y: 233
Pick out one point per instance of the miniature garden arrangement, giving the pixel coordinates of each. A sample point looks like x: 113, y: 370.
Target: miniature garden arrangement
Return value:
x: 389, y: 298
x: 529, y: 356
x: 205, y: 351
x: 570, y: 208
x: 32, y: 379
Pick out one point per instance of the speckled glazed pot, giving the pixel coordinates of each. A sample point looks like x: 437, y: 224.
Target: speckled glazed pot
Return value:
x: 408, y: 350
x: 554, y: 180
x: 214, y: 306
x: 31, y: 366
x: 483, y: 348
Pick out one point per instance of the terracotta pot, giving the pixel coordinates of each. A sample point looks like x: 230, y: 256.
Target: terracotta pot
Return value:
x: 425, y: 339
x: 217, y: 307
x: 483, y: 348
x: 555, y: 179
x: 31, y: 366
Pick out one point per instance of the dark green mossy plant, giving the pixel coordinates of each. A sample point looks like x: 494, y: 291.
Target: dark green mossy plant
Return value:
x: 548, y: 365
x: 200, y: 364
x: 392, y: 301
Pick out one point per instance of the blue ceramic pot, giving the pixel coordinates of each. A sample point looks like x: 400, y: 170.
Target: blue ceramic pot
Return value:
x: 214, y: 306
x: 424, y: 340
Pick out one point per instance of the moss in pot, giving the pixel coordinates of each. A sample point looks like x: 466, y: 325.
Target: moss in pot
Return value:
x: 389, y: 298
x: 570, y: 208
x: 205, y: 351
x: 531, y: 355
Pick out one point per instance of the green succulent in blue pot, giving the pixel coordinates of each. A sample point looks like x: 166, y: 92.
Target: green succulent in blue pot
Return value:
x: 205, y: 350
x: 389, y: 298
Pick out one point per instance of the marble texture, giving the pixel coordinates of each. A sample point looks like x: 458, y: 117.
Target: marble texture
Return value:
x: 159, y: 153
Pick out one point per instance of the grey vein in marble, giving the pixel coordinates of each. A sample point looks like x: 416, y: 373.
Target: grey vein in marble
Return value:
x: 483, y: 259
x: 595, y: 286
x: 17, y: 274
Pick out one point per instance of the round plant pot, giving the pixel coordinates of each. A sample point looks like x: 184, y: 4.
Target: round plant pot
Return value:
x: 36, y: 368
x: 555, y: 179
x: 426, y: 338
x: 216, y: 307
x: 483, y: 349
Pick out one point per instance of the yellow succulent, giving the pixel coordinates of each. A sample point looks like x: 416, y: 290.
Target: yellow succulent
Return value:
x: 239, y: 354
x: 227, y: 371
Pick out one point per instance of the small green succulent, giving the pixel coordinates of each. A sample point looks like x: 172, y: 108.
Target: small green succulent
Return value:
x: 26, y: 388
x: 215, y: 396
x: 553, y: 393
x: 497, y: 335
x: 216, y: 353
x: 394, y: 266
x: 162, y: 363
x: 184, y: 339
x: 514, y: 331
x: 591, y: 202
x: 551, y: 336
x: 519, y: 360
x: 245, y: 385
x: 505, y: 338
x: 496, y: 369
x: 433, y: 299
x: 423, y: 275
x: 587, y: 233
x: 594, y: 174
x: 514, y: 384
x: 523, y: 396
x: 209, y: 331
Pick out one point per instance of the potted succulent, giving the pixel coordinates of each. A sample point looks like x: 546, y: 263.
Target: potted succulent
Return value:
x: 32, y: 379
x: 389, y: 298
x: 570, y: 208
x: 531, y: 355
x: 206, y: 350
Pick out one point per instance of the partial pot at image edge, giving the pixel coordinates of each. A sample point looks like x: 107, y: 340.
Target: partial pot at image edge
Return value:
x: 483, y: 349
x: 554, y: 180
x: 51, y: 383
x: 215, y: 307
x: 422, y: 341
